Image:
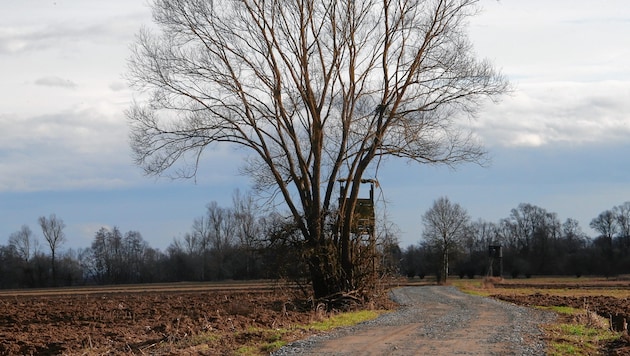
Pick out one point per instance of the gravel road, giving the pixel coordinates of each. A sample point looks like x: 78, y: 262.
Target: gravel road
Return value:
x: 436, y: 320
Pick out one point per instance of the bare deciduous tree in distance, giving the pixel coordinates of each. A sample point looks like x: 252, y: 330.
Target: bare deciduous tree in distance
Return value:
x: 606, y: 225
x: 445, y: 226
x: 24, y: 241
x: 52, y: 228
x: 316, y: 91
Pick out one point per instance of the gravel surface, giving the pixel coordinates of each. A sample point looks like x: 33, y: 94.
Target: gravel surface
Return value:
x: 437, y: 320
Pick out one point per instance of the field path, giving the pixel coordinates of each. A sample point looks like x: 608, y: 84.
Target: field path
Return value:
x: 437, y: 320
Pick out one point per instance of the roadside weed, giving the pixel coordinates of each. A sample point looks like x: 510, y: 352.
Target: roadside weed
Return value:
x: 344, y: 319
x: 573, y: 338
x: 562, y: 310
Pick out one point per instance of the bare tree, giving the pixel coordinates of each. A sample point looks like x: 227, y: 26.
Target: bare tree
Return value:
x: 52, y: 228
x: 198, y: 243
x: 24, y: 241
x: 316, y: 91
x: 248, y: 228
x: 574, y: 237
x: 222, y: 227
x: 221, y: 237
x: 622, y: 214
x: 479, y: 235
x: 445, y: 226
x: 606, y: 225
x: 245, y: 209
x: 134, y: 248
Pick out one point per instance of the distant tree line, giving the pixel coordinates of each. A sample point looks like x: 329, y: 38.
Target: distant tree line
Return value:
x: 237, y: 242
x: 240, y: 242
x: 225, y: 243
x: 533, y: 241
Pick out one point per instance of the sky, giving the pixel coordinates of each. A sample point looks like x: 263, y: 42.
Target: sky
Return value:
x: 558, y: 141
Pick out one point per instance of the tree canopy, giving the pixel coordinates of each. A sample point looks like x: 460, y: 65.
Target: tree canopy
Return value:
x: 317, y: 92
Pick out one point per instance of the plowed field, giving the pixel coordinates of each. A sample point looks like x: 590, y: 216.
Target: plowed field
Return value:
x: 198, y: 319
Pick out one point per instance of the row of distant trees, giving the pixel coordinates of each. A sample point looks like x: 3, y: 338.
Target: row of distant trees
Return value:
x: 237, y: 242
x: 225, y: 243
x: 240, y: 242
x: 533, y: 241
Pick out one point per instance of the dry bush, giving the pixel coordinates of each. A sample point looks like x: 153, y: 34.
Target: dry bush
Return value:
x: 320, y: 312
x: 591, y: 319
x: 489, y: 282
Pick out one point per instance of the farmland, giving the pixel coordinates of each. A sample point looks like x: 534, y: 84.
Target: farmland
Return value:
x: 239, y: 318
x: 157, y: 319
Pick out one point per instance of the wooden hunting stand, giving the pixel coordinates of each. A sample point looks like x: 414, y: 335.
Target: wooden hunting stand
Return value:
x: 363, y: 226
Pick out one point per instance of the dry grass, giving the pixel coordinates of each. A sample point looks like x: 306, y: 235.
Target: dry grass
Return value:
x: 489, y: 282
x: 560, y: 286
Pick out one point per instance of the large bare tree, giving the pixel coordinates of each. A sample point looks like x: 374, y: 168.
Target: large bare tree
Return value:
x: 316, y: 91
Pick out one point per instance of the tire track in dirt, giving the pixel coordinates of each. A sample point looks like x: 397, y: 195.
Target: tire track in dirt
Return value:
x: 438, y: 321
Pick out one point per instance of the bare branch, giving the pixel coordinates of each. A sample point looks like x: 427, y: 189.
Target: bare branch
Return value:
x: 314, y: 90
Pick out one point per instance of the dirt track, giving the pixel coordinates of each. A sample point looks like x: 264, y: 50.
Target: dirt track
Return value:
x: 438, y: 321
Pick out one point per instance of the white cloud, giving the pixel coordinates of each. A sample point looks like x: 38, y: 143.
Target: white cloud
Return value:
x: 567, y: 59
x: 34, y: 25
x: 54, y: 81
x: 72, y: 148
x: 563, y: 112
x: 118, y: 86
x: 568, y: 62
x: 63, y: 139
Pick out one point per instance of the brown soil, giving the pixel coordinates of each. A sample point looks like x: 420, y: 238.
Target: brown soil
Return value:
x: 142, y: 322
x: 603, y: 305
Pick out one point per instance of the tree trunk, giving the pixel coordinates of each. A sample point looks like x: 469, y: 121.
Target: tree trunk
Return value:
x: 324, y: 276
x: 54, y: 270
x: 444, y: 266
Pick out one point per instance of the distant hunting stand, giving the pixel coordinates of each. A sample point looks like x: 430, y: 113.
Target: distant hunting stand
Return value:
x: 495, y: 255
x: 363, y: 227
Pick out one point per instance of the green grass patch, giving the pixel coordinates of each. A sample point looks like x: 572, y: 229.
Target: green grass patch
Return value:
x: 562, y: 349
x: 272, y: 346
x: 247, y: 350
x: 472, y: 287
x: 562, y: 310
x: 344, y: 319
x: 262, y: 341
x: 577, y: 339
x: 578, y: 330
x: 206, y: 338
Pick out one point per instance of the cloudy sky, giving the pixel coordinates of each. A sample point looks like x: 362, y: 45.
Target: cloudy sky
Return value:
x: 559, y: 141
